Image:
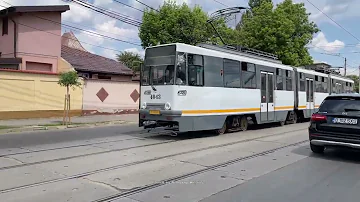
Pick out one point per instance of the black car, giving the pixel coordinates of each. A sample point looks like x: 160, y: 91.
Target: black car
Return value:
x: 337, y: 123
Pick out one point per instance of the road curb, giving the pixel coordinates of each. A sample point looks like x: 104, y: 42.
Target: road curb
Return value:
x: 48, y: 128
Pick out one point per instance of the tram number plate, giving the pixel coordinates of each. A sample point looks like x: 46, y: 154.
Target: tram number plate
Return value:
x: 155, y: 112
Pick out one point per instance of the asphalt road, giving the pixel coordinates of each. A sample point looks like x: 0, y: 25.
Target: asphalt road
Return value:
x: 14, y: 140
x: 332, y: 177
x: 269, y: 163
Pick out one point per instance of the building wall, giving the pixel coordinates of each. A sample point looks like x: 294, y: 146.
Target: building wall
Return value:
x: 63, y: 66
x: 34, y: 95
x: 118, y: 101
x: 40, y: 40
x: 7, y: 41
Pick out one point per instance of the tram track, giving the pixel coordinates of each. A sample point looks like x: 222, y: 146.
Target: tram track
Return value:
x: 181, y: 177
x: 80, y: 175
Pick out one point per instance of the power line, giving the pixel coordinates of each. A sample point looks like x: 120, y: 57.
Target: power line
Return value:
x: 119, y: 2
x: 136, y: 40
x: 69, y: 38
x: 220, y: 3
x: 334, y: 21
x: 85, y: 31
x: 109, y: 13
x: 88, y: 31
x: 147, y: 5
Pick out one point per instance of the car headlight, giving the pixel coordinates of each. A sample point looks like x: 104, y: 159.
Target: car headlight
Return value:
x: 143, y: 106
x: 167, y: 106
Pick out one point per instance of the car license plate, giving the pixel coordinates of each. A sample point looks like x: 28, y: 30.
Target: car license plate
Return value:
x: 155, y: 112
x: 345, y: 121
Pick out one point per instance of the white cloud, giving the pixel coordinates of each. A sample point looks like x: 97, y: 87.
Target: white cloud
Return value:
x: 109, y: 53
x: 89, y: 41
x: 77, y: 14
x: 135, y: 50
x: 321, y: 43
x: 110, y: 27
x: 102, y: 2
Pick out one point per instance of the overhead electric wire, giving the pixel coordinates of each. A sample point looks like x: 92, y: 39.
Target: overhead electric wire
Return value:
x: 334, y: 21
x: 88, y: 31
x: 84, y: 26
x: 109, y: 13
x: 147, y: 5
x: 119, y: 2
x: 92, y: 33
x: 70, y: 38
x: 220, y: 3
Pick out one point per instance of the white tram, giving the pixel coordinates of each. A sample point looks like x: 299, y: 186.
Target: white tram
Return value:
x: 207, y: 87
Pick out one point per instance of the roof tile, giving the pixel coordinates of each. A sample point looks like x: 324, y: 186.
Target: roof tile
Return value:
x: 86, y: 61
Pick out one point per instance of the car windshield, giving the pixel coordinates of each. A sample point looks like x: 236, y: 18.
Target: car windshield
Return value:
x: 340, y: 104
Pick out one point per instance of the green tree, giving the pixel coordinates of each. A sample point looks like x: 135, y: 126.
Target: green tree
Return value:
x: 284, y: 31
x: 257, y: 3
x: 355, y: 78
x: 180, y: 24
x: 69, y: 80
x: 130, y: 59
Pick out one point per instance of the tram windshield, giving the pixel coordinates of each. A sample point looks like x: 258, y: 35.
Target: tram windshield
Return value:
x: 160, y: 67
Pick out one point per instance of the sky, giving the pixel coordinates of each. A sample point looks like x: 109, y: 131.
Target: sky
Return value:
x: 339, y: 37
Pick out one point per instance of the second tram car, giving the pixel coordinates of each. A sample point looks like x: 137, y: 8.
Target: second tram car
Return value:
x: 207, y: 87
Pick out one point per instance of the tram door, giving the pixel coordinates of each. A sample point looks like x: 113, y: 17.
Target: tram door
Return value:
x: 310, y: 106
x: 267, y: 108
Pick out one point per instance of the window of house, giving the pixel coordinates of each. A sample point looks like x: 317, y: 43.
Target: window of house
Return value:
x: 5, y: 26
x: 104, y: 76
x: 248, y: 74
x: 231, y: 73
x: 288, y: 80
x: 279, y: 80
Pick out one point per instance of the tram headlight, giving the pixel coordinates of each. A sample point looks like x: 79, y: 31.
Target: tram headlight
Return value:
x: 143, y: 106
x: 167, y: 106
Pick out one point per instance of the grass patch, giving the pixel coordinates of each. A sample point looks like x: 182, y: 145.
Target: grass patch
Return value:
x: 6, y: 127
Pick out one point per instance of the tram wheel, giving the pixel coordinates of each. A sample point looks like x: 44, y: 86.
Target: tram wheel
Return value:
x: 244, y: 123
x: 222, y: 130
x: 282, y: 123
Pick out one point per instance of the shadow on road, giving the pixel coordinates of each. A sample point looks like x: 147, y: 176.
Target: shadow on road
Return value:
x: 331, y: 153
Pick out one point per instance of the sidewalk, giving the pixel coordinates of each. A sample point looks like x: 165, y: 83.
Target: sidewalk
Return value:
x: 128, y: 118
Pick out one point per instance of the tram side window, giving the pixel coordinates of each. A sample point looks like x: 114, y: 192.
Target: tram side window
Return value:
x: 325, y: 84
x: 213, y: 68
x: 302, y: 82
x: 288, y: 80
x: 248, y: 74
x: 334, y: 86
x: 231, y: 73
x: 279, y: 80
x: 196, y: 70
x: 318, y: 84
x: 145, y: 76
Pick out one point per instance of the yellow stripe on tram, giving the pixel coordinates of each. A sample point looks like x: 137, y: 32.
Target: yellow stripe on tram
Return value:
x: 216, y: 111
x: 284, y: 107
x: 219, y: 111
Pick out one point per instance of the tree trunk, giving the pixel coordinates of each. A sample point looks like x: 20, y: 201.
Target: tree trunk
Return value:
x: 67, y: 105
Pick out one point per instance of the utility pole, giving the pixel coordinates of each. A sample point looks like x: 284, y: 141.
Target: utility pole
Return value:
x: 359, y: 79
x: 345, y: 68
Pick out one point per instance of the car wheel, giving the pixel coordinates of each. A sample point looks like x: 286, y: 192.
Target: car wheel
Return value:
x: 317, y: 149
